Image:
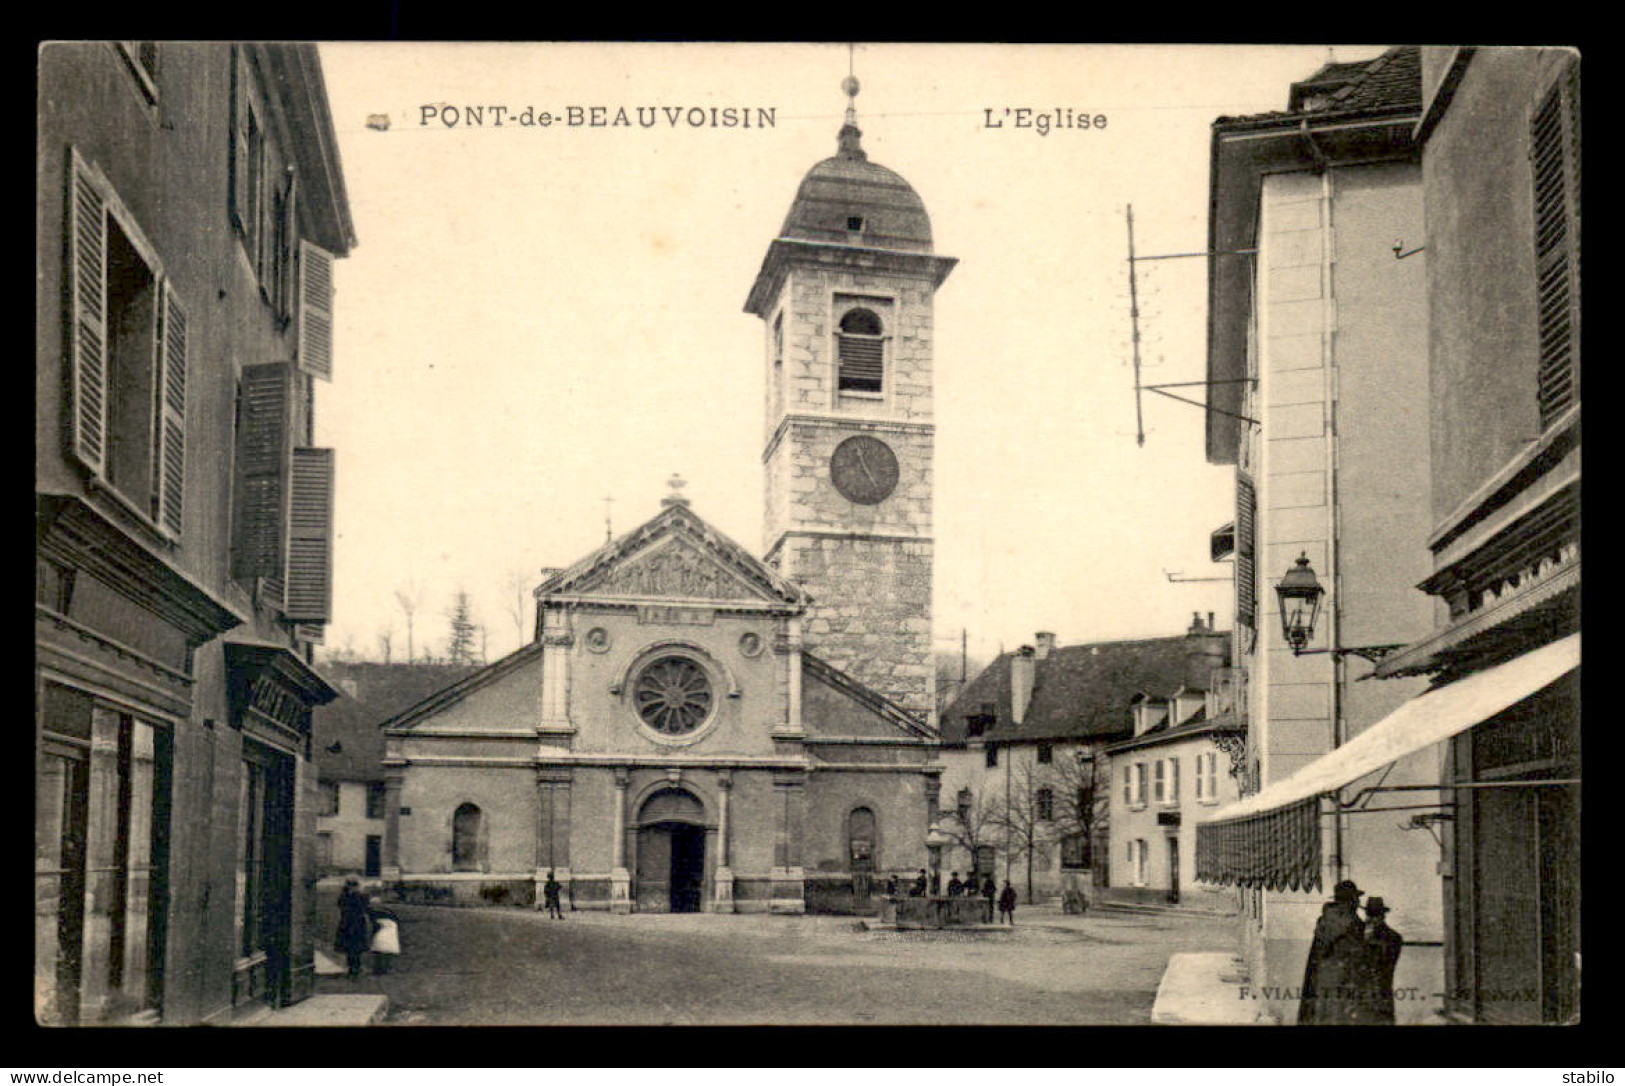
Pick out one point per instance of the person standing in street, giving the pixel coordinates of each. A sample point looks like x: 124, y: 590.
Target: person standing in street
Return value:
x: 955, y: 887
x: 550, y: 897
x: 1333, y: 975
x: 354, y: 935
x: 1007, y: 904
x: 1382, y: 947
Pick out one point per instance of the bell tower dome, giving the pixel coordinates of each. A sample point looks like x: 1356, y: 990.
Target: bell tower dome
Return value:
x: 845, y: 294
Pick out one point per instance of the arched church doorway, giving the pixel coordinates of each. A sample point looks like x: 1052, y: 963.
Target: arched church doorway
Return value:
x: 671, y: 853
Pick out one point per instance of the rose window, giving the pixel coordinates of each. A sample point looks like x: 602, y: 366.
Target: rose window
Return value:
x: 673, y: 695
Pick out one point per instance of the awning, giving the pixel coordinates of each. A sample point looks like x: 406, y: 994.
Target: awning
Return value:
x: 1227, y: 841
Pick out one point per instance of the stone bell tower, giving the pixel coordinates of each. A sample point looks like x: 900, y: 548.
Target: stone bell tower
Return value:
x: 845, y: 294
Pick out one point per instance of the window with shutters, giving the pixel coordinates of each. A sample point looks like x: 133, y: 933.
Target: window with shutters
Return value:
x: 1171, y: 797
x: 127, y: 355
x: 263, y: 190
x: 1046, y: 752
x: 142, y: 57
x: 861, y: 354
x: 1046, y: 804
x: 1246, y: 552
x: 1159, y: 787
x: 282, y: 517
x: 1138, y: 799
x: 1554, y: 150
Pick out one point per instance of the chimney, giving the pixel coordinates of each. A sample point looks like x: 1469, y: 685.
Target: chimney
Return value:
x: 1023, y: 666
x: 1046, y: 643
x: 1206, y: 648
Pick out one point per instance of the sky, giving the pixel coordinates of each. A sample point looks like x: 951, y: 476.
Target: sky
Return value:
x: 538, y: 318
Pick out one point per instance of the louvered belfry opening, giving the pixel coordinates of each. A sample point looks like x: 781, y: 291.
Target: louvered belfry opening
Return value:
x: 1555, y: 160
x: 862, y: 352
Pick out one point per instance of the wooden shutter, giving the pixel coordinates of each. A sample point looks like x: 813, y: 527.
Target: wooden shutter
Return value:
x: 239, y: 141
x: 1554, y: 148
x: 309, y: 595
x: 1246, y: 552
x: 263, y: 462
x: 315, y: 311
x: 862, y: 363
x: 171, y: 473
x: 87, y: 300
x: 311, y: 632
x: 287, y: 233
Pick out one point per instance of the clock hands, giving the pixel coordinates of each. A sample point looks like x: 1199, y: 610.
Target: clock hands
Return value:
x: 863, y: 462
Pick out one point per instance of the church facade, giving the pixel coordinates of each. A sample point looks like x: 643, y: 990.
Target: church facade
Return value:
x: 695, y: 728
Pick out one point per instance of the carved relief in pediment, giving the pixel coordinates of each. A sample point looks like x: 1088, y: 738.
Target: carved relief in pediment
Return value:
x: 674, y: 571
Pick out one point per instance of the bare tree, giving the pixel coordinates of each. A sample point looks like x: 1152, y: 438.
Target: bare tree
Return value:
x: 973, y: 822
x: 1026, y: 821
x: 517, y: 584
x: 386, y: 637
x: 460, y: 646
x: 409, y: 598
x: 1082, y: 803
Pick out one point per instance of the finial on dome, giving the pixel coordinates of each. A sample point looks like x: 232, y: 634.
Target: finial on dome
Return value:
x: 850, y: 133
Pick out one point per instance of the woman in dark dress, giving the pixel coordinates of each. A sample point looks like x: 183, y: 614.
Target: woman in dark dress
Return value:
x: 355, y: 925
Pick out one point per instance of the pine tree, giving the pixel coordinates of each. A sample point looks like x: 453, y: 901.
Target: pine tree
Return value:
x: 460, y: 648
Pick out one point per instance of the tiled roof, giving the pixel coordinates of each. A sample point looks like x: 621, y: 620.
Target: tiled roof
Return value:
x: 373, y: 694
x: 1079, y: 691
x: 1392, y: 81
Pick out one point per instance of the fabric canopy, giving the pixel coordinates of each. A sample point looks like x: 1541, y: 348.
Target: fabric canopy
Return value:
x: 1260, y: 840
x: 1276, y: 850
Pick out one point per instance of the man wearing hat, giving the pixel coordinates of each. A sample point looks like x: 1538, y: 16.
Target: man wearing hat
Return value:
x: 1382, y: 947
x: 1333, y: 976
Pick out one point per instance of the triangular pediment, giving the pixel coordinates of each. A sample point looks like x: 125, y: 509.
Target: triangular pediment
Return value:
x: 675, y: 556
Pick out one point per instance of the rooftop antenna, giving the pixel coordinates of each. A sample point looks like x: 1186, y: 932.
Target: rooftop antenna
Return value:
x: 1134, y: 319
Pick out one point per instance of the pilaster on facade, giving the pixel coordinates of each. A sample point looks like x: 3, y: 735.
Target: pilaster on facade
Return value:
x: 557, y: 641
x: 620, y: 879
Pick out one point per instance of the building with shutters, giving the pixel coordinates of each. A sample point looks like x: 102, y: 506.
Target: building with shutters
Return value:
x: 1182, y: 762
x: 1027, y: 765
x: 697, y: 728
x: 1317, y: 354
x: 189, y: 207
x: 1500, y: 133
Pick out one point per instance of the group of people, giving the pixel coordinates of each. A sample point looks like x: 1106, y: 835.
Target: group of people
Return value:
x: 364, y: 927
x: 969, y: 887
x: 1349, y: 978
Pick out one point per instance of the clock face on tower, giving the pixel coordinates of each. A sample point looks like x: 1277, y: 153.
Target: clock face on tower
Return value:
x: 864, y: 470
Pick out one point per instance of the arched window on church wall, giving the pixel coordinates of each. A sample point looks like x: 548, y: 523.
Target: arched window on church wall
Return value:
x: 861, y: 840
x: 465, y: 838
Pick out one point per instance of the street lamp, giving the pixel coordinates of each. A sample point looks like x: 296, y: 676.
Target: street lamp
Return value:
x: 1299, y: 593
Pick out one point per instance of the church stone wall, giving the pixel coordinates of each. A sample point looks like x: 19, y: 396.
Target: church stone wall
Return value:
x: 899, y: 805
x: 809, y: 336
x: 872, y: 612
x: 605, y: 721
x: 506, y: 796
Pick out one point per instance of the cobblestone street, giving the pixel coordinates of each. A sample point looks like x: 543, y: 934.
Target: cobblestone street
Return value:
x: 515, y: 967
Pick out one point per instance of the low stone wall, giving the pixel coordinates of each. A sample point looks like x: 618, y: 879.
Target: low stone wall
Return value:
x: 465, y: 892
x: 936, y: 912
